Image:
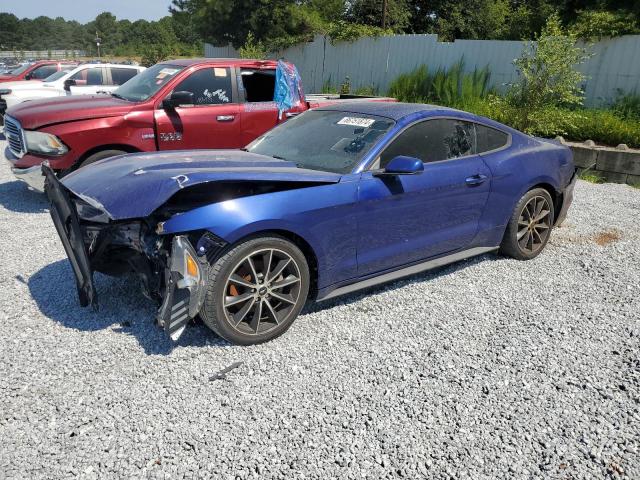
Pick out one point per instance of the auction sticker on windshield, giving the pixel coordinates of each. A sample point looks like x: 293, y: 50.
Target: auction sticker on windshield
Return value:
x: 356, y: 122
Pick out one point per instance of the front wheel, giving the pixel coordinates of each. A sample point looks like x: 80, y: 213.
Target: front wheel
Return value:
x: 530, y: 226
x: 256, y: 290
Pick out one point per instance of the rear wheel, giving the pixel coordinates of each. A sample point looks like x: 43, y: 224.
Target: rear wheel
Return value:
x: 530, y: 226
x: 256, y: 290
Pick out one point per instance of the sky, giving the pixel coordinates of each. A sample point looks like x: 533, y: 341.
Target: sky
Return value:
x: 86, y: 10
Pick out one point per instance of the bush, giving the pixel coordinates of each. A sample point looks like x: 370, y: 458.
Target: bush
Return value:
x: 601, y: 126
x: 547, y: 76
x: 627, y: 105
x: 604, y: 126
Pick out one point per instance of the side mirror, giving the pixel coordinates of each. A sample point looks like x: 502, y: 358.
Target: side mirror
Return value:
x: 68, y: 83
x: 178, y: 98
x: 28, y: 76
x: 402, y: 165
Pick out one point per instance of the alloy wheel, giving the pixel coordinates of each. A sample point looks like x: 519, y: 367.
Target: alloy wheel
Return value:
x: 534, y: 224
x: 261, y: 291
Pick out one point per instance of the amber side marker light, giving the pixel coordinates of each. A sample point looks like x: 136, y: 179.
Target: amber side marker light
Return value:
x: 192, y: 267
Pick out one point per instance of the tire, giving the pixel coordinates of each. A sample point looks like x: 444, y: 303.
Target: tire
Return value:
x: 530, y: 226
x: 100, y: 156
x: 264, y: 314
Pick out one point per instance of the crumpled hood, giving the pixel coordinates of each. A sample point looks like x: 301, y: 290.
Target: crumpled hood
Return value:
x: 133, y: 186
x: 38, y: 113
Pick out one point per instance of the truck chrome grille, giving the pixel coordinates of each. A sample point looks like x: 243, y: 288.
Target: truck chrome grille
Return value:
x: 15, y: 136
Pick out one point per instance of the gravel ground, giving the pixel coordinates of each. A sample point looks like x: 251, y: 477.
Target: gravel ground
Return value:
x: 490, y: 368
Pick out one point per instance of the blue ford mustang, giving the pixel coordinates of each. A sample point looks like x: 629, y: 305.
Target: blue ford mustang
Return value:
x: 335, y: 200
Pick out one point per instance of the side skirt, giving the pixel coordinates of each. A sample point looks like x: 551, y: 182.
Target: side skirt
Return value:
x: 407, y: 271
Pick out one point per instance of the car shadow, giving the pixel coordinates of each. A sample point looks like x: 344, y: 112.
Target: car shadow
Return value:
x: 400, y: 283
x: 18, y: 197
x: 122, y: 307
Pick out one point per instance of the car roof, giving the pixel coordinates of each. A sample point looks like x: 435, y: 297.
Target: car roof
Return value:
x: 393, y: 110
x: 188, y: 62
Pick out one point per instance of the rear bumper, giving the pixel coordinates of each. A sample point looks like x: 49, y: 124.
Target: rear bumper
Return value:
x: 567, y: 199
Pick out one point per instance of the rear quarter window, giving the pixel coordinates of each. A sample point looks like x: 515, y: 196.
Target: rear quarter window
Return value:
x: 488, y: 138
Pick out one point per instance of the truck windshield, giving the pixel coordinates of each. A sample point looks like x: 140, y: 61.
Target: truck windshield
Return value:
x: 147, y: 83
x: 55, y: 76
x: 330, y: 141
x: 19, y: 70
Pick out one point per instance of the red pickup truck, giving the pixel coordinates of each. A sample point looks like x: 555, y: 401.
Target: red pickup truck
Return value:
x: 174, y: 105
x: 36, y: 70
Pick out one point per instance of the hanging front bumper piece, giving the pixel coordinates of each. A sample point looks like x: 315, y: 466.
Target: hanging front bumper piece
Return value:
x: 184, y: 288
x: 65, y: 219
x: 177, y: 281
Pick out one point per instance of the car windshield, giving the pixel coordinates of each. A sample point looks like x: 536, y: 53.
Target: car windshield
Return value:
x: 19, y: 70
x: 147, y: 83
x: 329, y: 141
x: 55, y: 76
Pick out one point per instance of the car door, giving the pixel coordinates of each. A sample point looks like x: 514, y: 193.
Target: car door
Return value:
x: 88, y: 81
x: 408, y: 218
x: 212, y: 122
x: 256, y: 88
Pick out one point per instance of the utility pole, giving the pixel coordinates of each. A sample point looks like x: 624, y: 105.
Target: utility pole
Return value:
x: 98, y: 44
x: 384, y: 13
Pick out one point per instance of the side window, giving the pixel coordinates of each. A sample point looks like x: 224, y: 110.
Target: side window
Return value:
x: 432, y: 141
x: 210, y: 86
x: 259, y: 85
x: 44, y: 71
x: 88, y: 76
x: 121, y: 75
x: 490, y: 138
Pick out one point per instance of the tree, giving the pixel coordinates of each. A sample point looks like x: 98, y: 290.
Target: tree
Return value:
x: 369, y: 12
x: 9, y: 31
x: 597, y: 24
x: 547, y: 74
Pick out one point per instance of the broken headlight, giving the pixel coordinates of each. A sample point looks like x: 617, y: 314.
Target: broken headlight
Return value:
x: 90, y: 213
x: 44, y: 143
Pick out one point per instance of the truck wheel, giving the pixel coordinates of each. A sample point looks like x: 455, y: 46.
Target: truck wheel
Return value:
x: 101, y: 155
x: 530, y: 225
x: 256, y: 290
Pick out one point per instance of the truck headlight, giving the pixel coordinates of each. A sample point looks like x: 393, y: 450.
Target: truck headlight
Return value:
x: 45, y: 143
x: 5, y: 91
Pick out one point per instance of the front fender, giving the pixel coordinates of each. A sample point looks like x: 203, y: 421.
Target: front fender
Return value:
x: 324, y: 216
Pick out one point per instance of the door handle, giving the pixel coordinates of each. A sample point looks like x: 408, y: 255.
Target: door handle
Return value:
x: 225, y: 118
x: 291, y: 114
x: 476, y: 180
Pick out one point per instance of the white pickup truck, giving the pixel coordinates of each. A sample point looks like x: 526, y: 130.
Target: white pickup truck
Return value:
x: 85, y: 79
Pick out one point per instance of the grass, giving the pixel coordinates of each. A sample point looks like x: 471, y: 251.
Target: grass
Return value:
x: 449, y: 87
x: 590, y: 176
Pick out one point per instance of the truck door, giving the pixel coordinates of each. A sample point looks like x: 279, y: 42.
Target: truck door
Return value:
x: 256, y: 87
x: 213, y: 121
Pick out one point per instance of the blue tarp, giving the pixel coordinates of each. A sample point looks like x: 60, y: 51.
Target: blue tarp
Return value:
x: 288, y: 93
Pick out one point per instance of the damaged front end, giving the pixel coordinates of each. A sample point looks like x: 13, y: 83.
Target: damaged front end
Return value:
x: 171, y: 271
